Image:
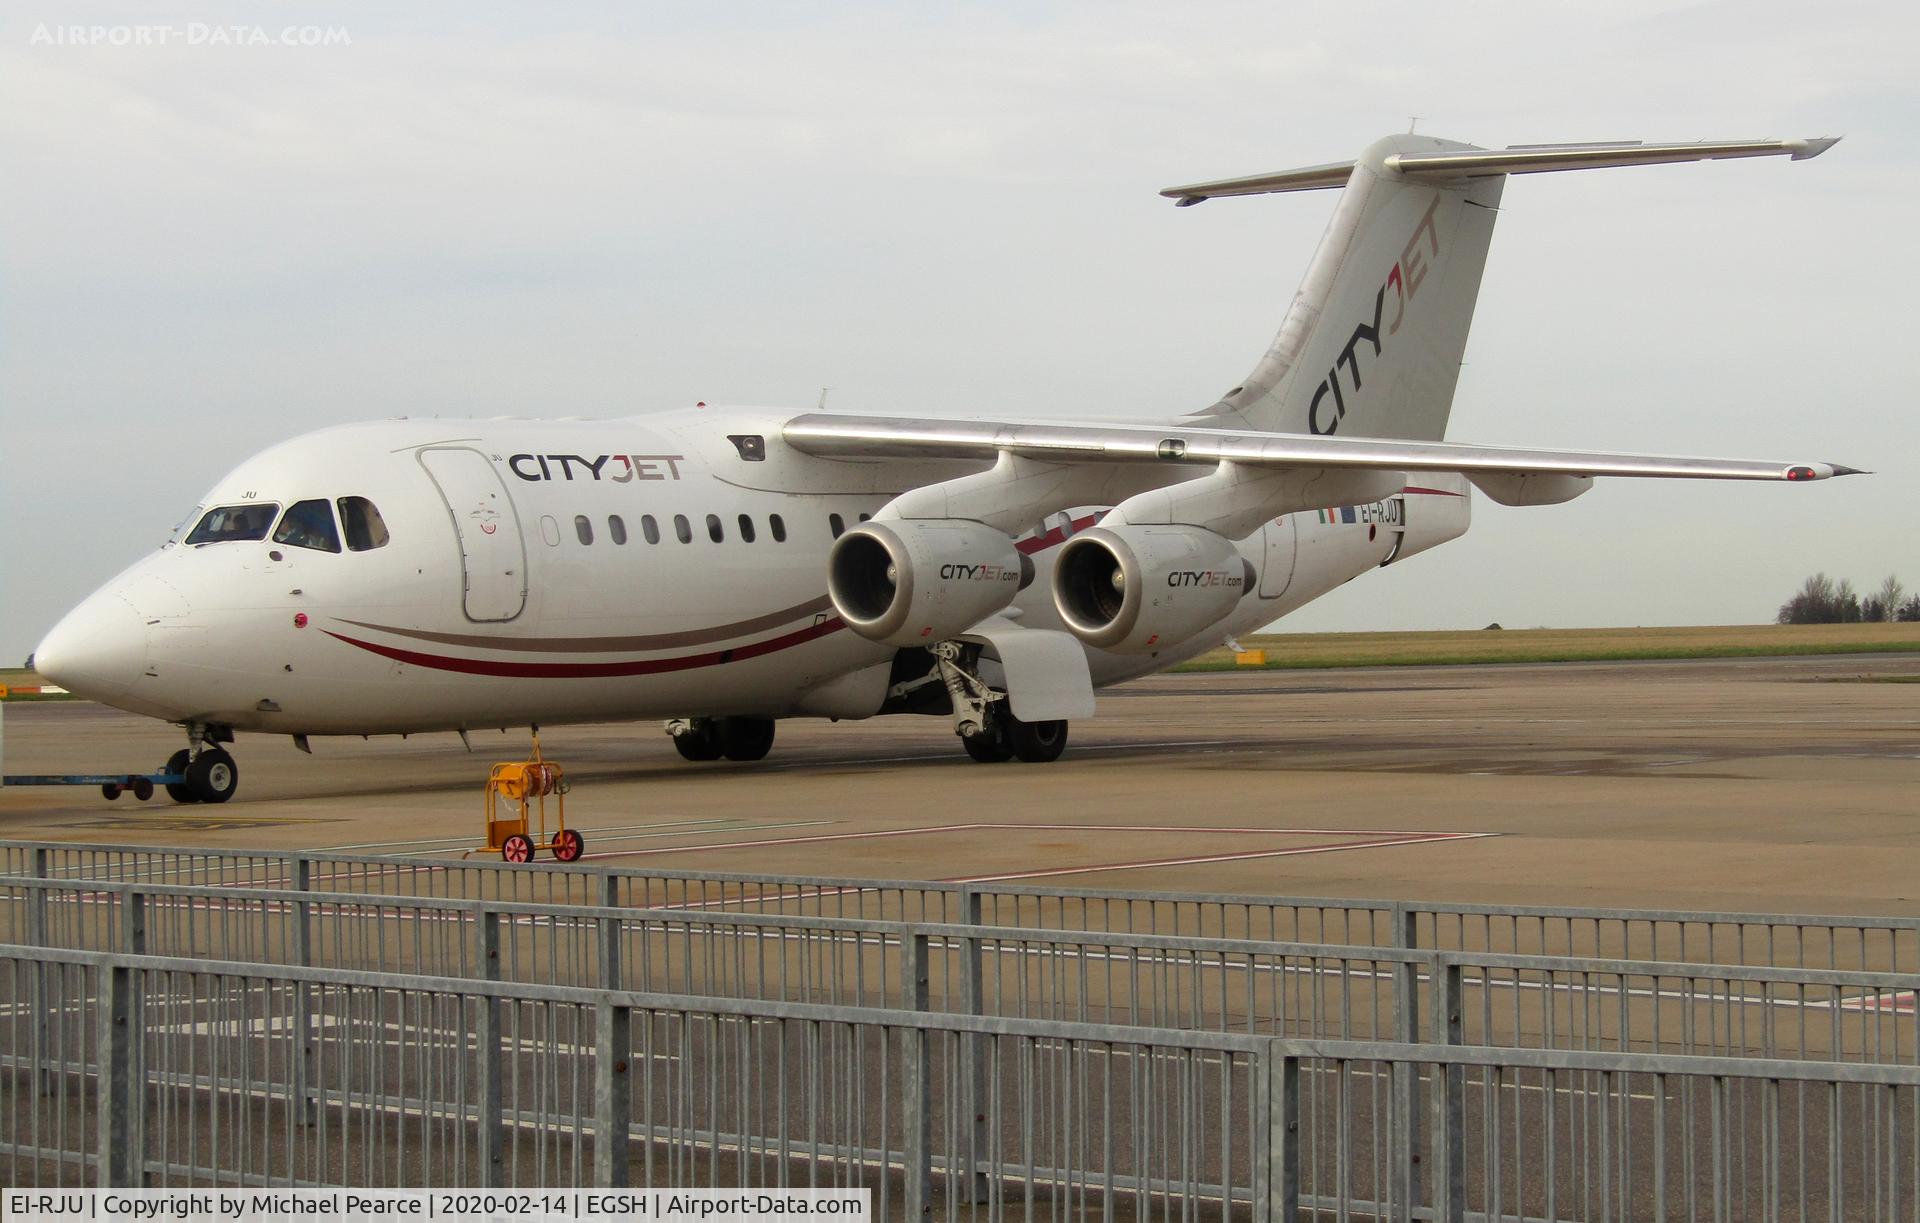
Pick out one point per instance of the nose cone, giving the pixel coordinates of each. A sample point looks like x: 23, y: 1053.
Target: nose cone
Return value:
x: 98, y: 650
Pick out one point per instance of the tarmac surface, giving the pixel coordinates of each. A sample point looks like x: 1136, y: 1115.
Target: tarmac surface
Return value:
x: 1778, y: 784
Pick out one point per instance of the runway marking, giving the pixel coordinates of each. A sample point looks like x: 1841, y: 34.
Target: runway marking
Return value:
x: 1407, y: 839
x: 613, y: 833
x: 1901, y: 1003
x: 441, y: 840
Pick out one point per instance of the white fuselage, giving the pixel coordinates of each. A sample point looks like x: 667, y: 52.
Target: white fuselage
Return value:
x: 502, y: 595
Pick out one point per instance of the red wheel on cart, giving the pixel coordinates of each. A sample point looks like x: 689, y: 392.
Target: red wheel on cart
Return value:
x: 516, y: 848
x: 568, y: 845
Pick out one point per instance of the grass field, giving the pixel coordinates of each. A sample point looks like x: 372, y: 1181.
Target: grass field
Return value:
x: 1298, y: 650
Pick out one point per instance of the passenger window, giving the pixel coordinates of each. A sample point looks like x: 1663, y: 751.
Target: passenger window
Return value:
x: 682, y: 528
x: 583, y: 527
x: 616, y: 529
x: 778, y: 526
x: 837, y: 525
x: 714, y: 532
x: 365, y: 529
x: 746, y: 528
x: 308, y: 524
x: 226, y: 524
x: 650, y: 528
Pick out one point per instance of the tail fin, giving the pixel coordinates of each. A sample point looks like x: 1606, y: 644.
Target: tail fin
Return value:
x: 1372, y: 344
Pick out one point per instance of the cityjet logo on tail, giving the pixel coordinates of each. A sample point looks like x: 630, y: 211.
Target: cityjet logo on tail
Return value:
x: 619, y: 468
x: 1404, y: 280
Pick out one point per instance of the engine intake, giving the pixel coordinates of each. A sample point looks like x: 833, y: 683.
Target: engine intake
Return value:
x: 1138, y: 590
x: 914, y: 582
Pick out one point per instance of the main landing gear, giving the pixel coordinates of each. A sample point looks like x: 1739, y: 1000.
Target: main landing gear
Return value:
x: 983, y: 718
x: 208, y: 771
x: 713, y: 738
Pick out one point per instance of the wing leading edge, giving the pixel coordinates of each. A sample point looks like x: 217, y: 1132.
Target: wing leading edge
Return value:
x: 883, y: 437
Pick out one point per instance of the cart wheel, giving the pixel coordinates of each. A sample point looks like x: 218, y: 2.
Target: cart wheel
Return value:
x: 111, y: 790
x: 568, y: 845
x: 142, y: 789
x: 516, y: 848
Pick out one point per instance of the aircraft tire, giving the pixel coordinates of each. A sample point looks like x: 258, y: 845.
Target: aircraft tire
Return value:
x: 213, y: 776
x: 746, y: 738
x: 988, y: 747
x: 1037, y: 742
x: 700, y: 743
x: 176, y: 764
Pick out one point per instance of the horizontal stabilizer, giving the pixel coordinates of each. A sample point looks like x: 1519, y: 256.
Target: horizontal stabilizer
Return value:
x: 1515, y: 159
x: 873, y: 437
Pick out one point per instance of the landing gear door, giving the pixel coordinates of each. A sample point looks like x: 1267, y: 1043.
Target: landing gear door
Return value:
x: 493, y: 557
x: 1276, y: 569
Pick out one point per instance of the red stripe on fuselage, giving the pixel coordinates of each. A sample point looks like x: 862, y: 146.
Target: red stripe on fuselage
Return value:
x: 596, y: 670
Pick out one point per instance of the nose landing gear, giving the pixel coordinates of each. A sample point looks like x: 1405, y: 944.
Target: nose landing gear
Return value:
x: 208, y: 772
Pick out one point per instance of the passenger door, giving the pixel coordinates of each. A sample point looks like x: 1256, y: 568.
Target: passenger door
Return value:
x: 493, y: 557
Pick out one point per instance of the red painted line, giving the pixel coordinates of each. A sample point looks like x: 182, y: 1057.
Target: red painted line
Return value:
x: 879, y: 834
x: 595, y: 670
x: 1409, y: 839
x: 1431, y: 492
x: 1902, y: 1003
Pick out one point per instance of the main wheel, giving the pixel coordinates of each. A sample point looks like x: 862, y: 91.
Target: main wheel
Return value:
x: 746, y: 738
x: 989, y: 746
x: 568, y: 845
x: 213, y: 776
x: 702, y: 742
x: 516, y: 848
x: 1037, y: 742
x: 176, y: 764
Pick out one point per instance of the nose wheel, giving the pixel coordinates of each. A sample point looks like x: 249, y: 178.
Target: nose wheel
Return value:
x: 209, y: 775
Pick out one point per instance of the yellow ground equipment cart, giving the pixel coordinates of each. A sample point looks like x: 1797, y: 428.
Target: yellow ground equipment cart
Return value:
x: 517, y: 793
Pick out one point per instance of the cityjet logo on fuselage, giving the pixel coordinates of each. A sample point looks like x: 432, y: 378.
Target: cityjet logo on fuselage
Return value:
x: 979, y: 573
x: 1181, y: 579
x: 1404, y: 280
x: 619, y: 468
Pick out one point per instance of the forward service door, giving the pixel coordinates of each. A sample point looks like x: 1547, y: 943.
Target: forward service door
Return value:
x: 493, y: 557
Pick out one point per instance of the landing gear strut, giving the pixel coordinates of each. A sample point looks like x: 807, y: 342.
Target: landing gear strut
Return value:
x: 983, y: 718
x: 210, y: 773
x: 712, y: 738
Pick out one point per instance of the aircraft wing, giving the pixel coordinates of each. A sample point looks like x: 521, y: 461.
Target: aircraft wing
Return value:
x: 886, y: 437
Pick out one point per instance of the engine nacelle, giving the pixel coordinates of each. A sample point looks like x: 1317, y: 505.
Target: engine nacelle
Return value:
x: 1135, y: 590
x: 915, y: 582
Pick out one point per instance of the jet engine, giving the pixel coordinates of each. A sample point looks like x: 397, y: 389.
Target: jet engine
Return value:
x: 1137, y: 589
x: 914, y: 582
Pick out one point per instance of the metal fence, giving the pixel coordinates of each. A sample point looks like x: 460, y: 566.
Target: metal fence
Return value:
x: 171, y: 1071
x: 1132, y: 980
x: 1882, y: 944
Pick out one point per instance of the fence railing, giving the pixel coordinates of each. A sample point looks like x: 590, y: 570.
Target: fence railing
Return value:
x: 1883, y: 944
x: 1131, y: 980
x: 169, y: 1071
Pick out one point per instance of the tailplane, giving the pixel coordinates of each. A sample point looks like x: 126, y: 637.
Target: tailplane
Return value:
x: 1372, y: 343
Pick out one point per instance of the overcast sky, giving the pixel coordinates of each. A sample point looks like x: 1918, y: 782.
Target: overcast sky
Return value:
x: 483, y: 209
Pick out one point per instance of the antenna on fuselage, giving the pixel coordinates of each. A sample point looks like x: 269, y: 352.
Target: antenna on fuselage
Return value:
x: 822, y: 405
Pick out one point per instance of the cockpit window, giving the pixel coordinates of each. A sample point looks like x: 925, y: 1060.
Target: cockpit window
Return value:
x: 229, y: 523
x: 173, y: 536
x: 366, y: 530
x: 309, y: 524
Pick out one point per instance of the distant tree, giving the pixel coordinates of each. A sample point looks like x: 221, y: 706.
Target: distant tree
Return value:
x: 1908, y: 610
x: 1846, y: 603
x: 1891, y: 594
x: 1813, y: 605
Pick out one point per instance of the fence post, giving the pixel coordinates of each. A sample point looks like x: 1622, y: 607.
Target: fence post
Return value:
x: 918, y: 1075
x: 1404, y: 1132
x: 1277, y: 1180
x: 490, y: 1052
x: 612, y: 1093
x: 974, y: 1053
x: 45, y: 1005
x: 122, y: 1143
x: 1447, y: 1173
x: 609, y: 933
x: 303, y: 995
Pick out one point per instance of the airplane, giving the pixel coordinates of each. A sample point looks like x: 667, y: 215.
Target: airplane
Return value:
x: 726, y: 567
